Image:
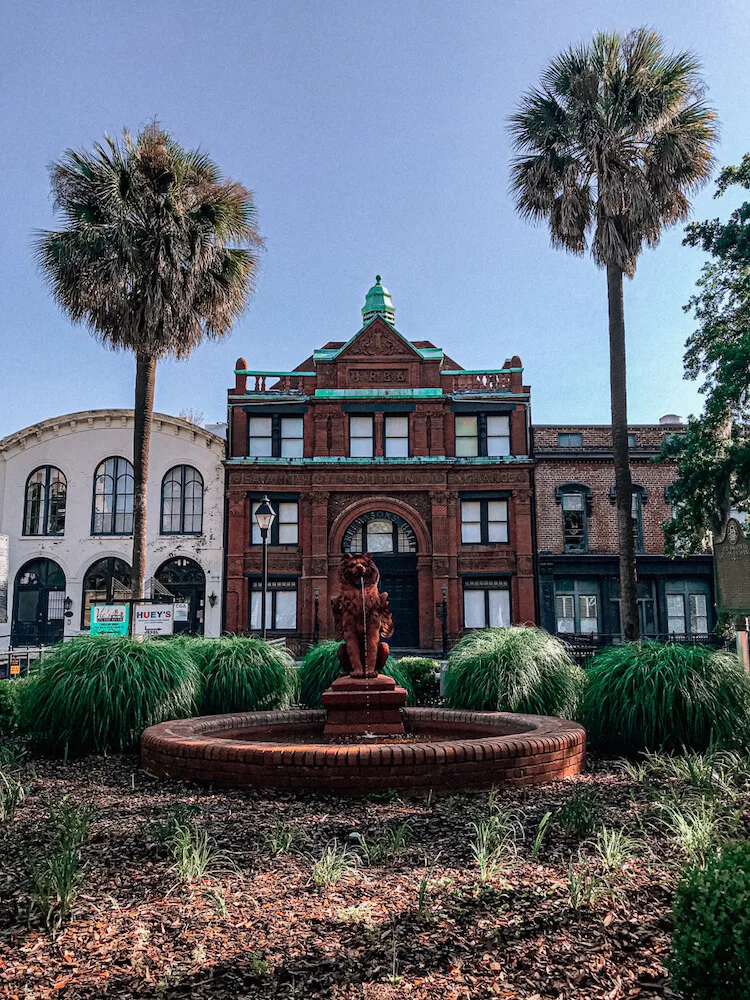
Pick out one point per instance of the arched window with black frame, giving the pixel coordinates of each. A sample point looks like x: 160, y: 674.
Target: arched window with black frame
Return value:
x: 574, y: 499
x: 182, y: 501
x: 44, y: 502
x: 112, y: 512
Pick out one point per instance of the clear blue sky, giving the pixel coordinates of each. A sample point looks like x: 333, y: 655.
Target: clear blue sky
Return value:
x: 373, y: 137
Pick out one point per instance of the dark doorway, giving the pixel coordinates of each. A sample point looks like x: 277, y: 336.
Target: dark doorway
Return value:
x: 38, y: 604
x: 184, y: 579
x: 398, y: 575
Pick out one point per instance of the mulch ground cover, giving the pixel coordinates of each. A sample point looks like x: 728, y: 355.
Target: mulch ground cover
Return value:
x: 414, y: 921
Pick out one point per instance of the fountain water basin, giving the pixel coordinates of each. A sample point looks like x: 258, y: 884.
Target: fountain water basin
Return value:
x: 444, y: 750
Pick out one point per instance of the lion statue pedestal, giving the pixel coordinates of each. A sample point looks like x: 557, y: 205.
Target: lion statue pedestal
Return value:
x: 363, y: 700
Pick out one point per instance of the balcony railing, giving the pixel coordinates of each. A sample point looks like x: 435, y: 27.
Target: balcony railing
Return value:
x: 582, y: 646
x: 488, y: 380
x: 271, y: 382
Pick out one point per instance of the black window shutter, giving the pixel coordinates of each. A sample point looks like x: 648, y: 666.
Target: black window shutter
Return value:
x: 276, y: 436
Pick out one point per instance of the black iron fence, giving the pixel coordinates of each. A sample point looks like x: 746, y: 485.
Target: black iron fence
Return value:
x: 584, y: 646
x: 15, y: 663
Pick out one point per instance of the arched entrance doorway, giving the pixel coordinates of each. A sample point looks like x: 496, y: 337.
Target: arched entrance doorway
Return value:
x: 38, y: 604
x: 107, y: 581
x: 393, y: 544
x: 183, y: 578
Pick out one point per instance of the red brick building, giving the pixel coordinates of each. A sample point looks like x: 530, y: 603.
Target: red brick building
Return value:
x: 381, y: 444
x: 576, y: 532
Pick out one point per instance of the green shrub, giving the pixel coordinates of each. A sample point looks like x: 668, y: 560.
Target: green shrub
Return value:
x: 711, y: 939
x: 320, y: 668
x: 242, y: 674
x: 518, y: 669
x: 421, y: 672
x: 652, y: 695
x: 8, y: 709
x: 101, y: 692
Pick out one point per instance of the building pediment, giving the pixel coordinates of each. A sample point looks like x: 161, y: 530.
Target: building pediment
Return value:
x: 378, y: 341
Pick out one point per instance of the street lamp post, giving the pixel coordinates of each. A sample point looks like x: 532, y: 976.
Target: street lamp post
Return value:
x: 264, y: 518
x: 316, y: 620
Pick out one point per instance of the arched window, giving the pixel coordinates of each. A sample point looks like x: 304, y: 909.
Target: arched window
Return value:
x: 575, y: 500
x: 380, y: 531
x: 182, y: 501
x: 107, y: 581
x: 44, y: 508
x: 113, y: 498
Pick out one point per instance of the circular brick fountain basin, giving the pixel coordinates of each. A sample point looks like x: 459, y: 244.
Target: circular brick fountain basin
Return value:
x: 443, y: 750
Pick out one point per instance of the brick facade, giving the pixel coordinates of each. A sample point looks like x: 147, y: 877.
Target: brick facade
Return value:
x: 347, y: 487
x: 577, y: 461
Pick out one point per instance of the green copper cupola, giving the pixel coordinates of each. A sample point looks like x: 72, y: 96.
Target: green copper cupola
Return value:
x: 378, y: 302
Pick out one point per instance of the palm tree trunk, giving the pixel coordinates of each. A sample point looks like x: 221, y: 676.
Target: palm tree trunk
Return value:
x: 145, y: 378
x: 623, y: 481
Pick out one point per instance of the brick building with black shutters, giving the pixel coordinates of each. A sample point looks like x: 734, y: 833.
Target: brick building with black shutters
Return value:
x: 576, y: 533
x: 384, y: 445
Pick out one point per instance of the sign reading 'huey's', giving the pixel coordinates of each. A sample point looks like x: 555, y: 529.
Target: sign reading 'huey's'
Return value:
x: 153, y: 619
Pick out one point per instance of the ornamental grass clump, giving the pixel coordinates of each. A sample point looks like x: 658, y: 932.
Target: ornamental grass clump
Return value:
x: 320, y: 668
x: 98, y: 693
x: 242, y: 674
x: 517, y: 669
x: 663, y: 696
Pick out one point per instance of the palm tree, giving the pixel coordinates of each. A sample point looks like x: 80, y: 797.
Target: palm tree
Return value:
x: 609, y: 147
x: 157, y: 253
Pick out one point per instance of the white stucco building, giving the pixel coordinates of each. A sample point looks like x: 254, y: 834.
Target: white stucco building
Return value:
x: 66, y: 502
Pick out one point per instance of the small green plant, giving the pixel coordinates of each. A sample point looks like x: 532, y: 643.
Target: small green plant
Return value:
x: 100, y: 692
x: 423, y: 908
x: 652, y: 695
x: 164, y: 827
x: 585, y: 889
x: 9, y: 712
x: 12, y: 794
x: 615, y: 848
x: 58, y: 875
x: 242, y: 674
x: 336, y: 863
x: 320, y: 668
x: 259, y: 964
x: 518, y: 669
x: 386, y: 844
x: 637, y: 771
x: 698, y: 828
x: 195, y: 853
x: 580, y: 815
x: 286, y: 838
x: 541, y: 833
x: 494, y: 839
x: 712, y: 927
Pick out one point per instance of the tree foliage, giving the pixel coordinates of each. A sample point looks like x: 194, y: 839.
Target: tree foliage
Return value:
x: 713, y: 457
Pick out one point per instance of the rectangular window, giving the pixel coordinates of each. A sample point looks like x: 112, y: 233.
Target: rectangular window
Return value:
x: 292, y: 443
x: 698, y: 614
x: 484, y: 521
x: 275, y: 437
x: 632, y: 441
x: 567, y: 440
x: 396, y: 436
x: 467, y: 437
x: 498, y: 435
x: 676, y: 614
x: 281, y: 605
x: 285, y: 527
x: 361, y: 437
x: 486, y: 605
x: 635, y: 513
x: 566, y: 613
x: 260, y: 437
x: 574, y: 522
x: 588, y: 616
